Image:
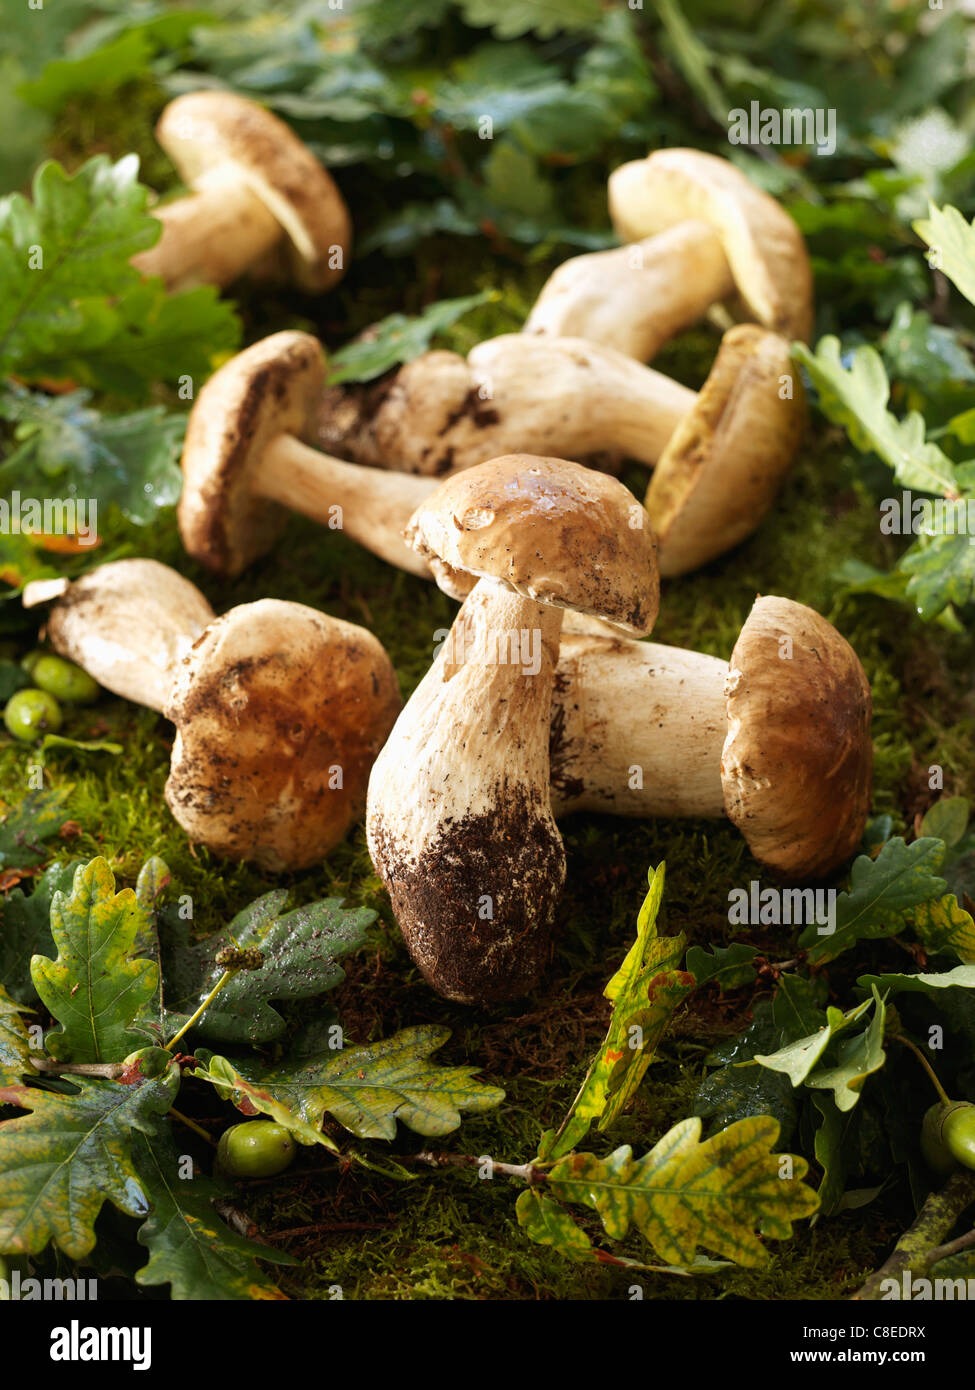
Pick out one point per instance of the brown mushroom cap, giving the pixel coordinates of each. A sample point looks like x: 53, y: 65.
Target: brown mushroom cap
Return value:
x: 797, y: 762
x: 270, y: 702
x: 552, y: 530
x: 269, y: 389
x: 205, y: 131
x: 724, y: 464
x: 764, y: 246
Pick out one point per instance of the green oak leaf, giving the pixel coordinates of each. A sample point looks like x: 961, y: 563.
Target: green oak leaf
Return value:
x: 940, y: 570
x: 726, y: 966
x: 962, y: 977
x: 858, y: 1057
x: 546, y: 1223
x: 67, y: 251
x: 539, y: 17
x: 15, y: 1048
x: 797, y: 1059
x: 94, y: 988
x: 737, y: 1093
x: 645, y: 992
x: 25, y: 929
x: 686, y: 1193
x: 856, y: 398
x: 952, y: 241
x: 300, y: 948
x: 947, y: 820
x: 399, y: 338
x: 368, y: 1088
x: 831, y: 1146
x: 190, y: 1247
x: 60, y: 1164
x: 26, y: 827
x: 882, y: 896
x: 68, y: 449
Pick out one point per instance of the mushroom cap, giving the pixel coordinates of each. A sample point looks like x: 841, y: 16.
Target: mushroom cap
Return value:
x: 552, y: 530
x: 797, y: 763
x: 764, y: 246
x: 129, y: 623
x: 203, y: 132
x: 724, y: 464
x: 269, y: 389
x: 280, y: 712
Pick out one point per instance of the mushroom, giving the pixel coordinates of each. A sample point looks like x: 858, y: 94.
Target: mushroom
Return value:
x: 245, y: 461
x: 778, y: 740
x: 458, y: 818
x: 279, y: 709
x: 700, y: 231
x: 260, y: 201
x: 515, y: 393
x: 725, y: 462
x: 721, y: 454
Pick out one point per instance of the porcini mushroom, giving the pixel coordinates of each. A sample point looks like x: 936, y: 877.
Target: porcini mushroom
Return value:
x: 260, y: 200
x: 279, y: 709
x: 762, y: 243
x: 245, y: 460
x: 458, y: 818
x: 778, y: 739
x: 721, y: 454
x: 512, y: 394
x: 725, y: 461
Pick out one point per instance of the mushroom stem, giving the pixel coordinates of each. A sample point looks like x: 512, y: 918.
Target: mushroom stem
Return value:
x: 129, y: 624
x: 459, y: 821
x: 211, y: 236
x: 635, y: 298
x: 370, y: 505
x: 662, y: 760
x: 520, y: 392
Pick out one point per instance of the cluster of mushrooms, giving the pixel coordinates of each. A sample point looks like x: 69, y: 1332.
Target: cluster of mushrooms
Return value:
x: 493, y: 476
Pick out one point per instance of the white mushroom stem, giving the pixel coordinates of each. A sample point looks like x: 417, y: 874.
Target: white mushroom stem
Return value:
x: 458, y: 810
x: 129, y: 624
x: 370, y: 505
x: 211, y: 236
x: 635, y: 298
x: 519, y: 393
x: 637, y: 729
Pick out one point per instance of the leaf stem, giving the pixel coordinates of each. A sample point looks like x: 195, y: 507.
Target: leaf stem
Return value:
x: 227, y: 975
x: 897, y: 1037
x: 191, y: 1124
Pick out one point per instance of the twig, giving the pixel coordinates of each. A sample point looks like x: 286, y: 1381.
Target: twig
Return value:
x: 240, y: 1222
x: 49, y: 1065
x: 953, y: 1247
x: 191, y: 1124
x: 918, y: 1247
x: 333, y: 1226
x: 897, y: 1037
x: 526, y: 1171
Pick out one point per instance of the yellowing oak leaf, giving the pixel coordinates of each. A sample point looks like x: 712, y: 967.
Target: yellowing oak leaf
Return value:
x: 684, y: 1193
x: 95, y: 989
x: 942, y: 925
